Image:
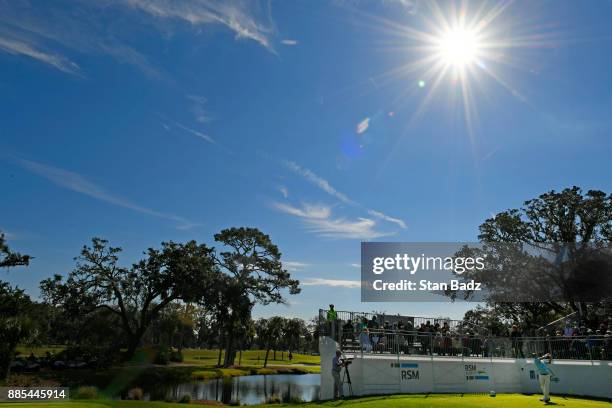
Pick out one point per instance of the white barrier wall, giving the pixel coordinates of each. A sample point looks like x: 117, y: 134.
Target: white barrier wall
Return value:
x: 393, y: 374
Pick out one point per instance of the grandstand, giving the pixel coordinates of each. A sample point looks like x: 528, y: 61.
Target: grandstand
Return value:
x: 407, y: 354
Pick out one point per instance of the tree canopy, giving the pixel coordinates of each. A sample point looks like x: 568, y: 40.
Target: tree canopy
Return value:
x: 135, y: 294
x: 14, y: 324
x: 556, y: 246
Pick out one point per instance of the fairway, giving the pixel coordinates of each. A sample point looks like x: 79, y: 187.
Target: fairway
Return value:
x: 419, y: 401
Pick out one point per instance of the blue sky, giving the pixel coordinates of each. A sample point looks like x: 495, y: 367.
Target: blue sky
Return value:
x: 321, y: 123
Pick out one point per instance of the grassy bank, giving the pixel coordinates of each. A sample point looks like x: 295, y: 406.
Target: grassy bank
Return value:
x: 197, y: 365
x: 209, y: 358
x: 253, y: 358
x: 210, y: 373
x: 122, y: 378
x: 418, y: 401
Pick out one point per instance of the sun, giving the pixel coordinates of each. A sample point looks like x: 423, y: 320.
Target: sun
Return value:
x: 458, y: 47
x: 456, y: 52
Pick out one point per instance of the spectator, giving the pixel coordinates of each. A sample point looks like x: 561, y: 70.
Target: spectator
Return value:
x: 364, y: 339
x: 373, y: 324
x: 332, y: 320
x: 517, y: 342
x: 607, y: 346
x: 348, y: 332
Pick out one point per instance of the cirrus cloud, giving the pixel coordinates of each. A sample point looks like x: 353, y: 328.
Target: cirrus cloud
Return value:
x: 349, y: 284
x: 318, y: 219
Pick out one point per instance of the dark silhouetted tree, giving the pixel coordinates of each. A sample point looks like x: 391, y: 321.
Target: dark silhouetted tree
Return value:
x: 256, y: 275
x: 15, y: 325
x: 136, y: 295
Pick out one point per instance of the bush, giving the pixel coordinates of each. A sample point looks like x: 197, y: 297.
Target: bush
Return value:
x: 296, y: 399
x: 86, y: 392
x: 185, y: 399
x: 162, y: 356
x: 135, y: 394
x: 93, y: 357
x: 176, y: 356
x: 274, y: 399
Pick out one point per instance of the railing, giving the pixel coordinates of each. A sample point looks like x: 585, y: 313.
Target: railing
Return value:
x: 398, y: 322
x: 370, y: 333
x: 367, y: 341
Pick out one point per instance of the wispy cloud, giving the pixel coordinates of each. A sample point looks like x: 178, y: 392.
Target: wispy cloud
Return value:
x: 294, y: 265
x: 355, y: 265
x: 491, y: 153
x: 318, y: 219
x: 195, y: 132
x: 197, y: 108
x: 284, y: 191
x: 318, y: 181
x: 289, y: 42
x: 324, y: 185
x: 350, y: 284
x: 16, y: 47
x: 387, y: 218
x: 41, y: 30
x: 247, y: 19
x: 76, y: 182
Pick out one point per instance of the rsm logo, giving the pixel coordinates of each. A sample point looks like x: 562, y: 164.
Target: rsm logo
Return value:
x: 410, y: 374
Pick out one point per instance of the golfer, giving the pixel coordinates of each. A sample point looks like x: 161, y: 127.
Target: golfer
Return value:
x: 544, y: 373
x: 337, y: 365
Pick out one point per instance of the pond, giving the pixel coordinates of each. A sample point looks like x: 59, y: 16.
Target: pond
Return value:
x: 253, y: 389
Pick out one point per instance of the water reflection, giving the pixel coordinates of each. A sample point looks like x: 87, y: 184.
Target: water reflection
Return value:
x: 254, y: 389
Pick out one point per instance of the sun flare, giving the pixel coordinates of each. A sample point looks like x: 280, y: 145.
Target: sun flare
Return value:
x: 458, y: 47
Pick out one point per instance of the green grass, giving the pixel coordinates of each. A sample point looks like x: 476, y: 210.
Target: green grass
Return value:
x: 398, y: 401
x: 252, y: 358
x: 39, y: 351
x: 209, y: 358
x: 209, y: 373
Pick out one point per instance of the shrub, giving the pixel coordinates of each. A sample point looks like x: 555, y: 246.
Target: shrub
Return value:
x: 185, y: 399
x: 296, y: 399
x: 162, y: 356
x: 135, y: 394
x: 93, y: 357
x: 86, y: 392
x: 176, y: 356
x: 274, y: 399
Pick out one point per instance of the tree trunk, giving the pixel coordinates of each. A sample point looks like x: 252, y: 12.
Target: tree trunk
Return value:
x: 230, y: 354
x: 6, y: 356
x: 266, y: 359
x: 131, y: 350
x: 219, y: 358
x: 133, y: 343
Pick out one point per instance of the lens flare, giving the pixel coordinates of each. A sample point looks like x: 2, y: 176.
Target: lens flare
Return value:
x: 458, y: 47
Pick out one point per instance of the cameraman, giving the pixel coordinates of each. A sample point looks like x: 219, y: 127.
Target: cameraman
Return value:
x: 337, y: 364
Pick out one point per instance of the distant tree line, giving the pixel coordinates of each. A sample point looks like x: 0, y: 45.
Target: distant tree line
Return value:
x: 178, y: 295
